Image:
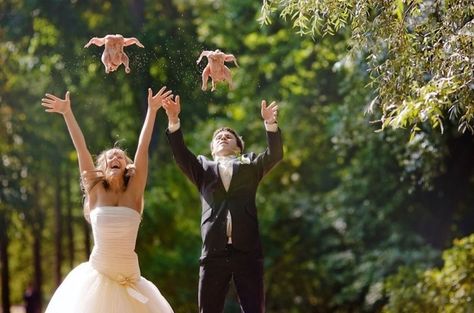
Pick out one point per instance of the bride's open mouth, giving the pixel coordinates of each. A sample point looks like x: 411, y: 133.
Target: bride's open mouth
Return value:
x: 115, y: 167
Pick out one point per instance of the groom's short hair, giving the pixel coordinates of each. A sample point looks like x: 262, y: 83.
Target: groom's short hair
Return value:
x: 239, y: 140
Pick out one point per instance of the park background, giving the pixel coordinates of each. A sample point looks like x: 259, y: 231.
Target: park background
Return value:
x: 371, y: 209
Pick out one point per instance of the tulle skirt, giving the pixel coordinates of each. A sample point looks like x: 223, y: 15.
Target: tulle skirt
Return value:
x: 85, y: 290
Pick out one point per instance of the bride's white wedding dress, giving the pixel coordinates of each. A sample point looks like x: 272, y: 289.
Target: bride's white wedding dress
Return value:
x: 110, y: 282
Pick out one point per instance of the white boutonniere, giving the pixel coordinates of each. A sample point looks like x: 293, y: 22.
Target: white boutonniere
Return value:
x: 243, y: 159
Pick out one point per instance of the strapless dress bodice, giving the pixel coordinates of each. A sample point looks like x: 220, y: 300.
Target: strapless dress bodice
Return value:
x: 115, y: 232
x: 115, y: 229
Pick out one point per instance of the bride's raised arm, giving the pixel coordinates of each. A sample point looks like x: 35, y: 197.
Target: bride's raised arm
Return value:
x: 141, y: 155
x: 55, y: 104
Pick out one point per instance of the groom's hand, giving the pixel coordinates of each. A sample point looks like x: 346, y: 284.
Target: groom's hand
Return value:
x: 269, y: 113
x: 172, y: 108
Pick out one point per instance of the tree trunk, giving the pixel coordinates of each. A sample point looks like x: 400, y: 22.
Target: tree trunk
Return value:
x: 69, y: 221
x: 137, y: 8
x: 58, y: 230
x: 4, y: 264
x: 38, y: 277
x: 38, y: 222
x: 450, y: 202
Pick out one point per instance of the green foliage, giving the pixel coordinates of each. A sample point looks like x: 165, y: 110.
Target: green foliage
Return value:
x: 444, y: 290
x: 344, y: 210
x: 420, y: 54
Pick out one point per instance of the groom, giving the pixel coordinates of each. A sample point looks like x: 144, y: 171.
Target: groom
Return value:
x: 231, y: 247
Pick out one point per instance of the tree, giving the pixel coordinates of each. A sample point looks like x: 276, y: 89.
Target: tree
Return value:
x: 420, y: 53
x: 438, y: 290
x: 344, y: 200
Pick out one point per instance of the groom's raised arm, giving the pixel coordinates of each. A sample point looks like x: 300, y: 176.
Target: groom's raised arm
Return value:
x: 185, y: 159
x: 274, y: 152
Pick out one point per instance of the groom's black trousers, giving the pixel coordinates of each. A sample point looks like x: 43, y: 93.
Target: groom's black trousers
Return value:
x: 217, y: 272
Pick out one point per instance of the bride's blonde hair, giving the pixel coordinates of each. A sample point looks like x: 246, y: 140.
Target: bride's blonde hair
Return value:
x: 92, y: 177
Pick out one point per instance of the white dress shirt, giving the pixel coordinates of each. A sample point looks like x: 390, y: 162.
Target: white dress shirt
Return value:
x: 225, y: 170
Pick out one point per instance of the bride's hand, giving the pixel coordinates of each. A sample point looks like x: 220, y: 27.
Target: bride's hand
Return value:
x: 156, y: 101
x: 56, y: 105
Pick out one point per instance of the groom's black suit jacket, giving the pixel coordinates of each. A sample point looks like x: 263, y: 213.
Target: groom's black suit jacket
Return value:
x: 239, y: 199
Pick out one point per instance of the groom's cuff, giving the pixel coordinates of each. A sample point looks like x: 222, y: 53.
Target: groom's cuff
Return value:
x: 271, y: 127
x: 172, y: 127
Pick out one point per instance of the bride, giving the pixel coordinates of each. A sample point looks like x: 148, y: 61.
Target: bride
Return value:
x: 110, y: 281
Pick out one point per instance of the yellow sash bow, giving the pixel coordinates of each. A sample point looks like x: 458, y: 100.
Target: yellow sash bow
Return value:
x: 129, y: 284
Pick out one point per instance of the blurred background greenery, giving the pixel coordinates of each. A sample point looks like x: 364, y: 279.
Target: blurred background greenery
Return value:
x: 376, y: 106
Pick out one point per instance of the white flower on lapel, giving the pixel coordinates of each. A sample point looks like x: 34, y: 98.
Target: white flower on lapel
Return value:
x: 243, y: 159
